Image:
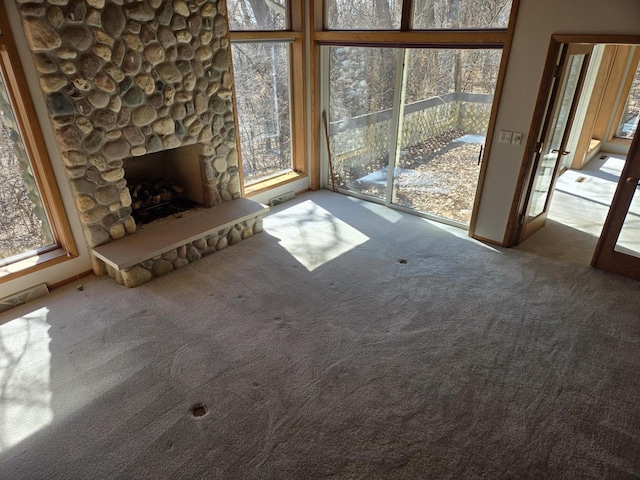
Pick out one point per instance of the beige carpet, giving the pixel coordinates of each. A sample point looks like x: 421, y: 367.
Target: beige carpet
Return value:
x: 346, y: 341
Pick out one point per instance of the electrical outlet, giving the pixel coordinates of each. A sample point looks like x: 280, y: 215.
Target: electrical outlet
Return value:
x: 505, y: 136
x: 517, y: 138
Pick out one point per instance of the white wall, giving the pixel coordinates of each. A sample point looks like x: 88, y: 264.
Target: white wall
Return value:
x: 537, y: 21
x: 81, y: 264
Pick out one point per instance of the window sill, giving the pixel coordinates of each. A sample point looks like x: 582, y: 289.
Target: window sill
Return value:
x: 273, y: 182
x: 33, y: 264
x: 621, y: 141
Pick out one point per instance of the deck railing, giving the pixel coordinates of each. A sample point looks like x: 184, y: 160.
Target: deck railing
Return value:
x: 364, y: 139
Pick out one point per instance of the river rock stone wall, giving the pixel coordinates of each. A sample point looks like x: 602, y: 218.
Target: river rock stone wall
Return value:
x: 124, y: 78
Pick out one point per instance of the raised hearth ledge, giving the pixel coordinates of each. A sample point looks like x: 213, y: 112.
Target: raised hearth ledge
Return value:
x: 159, y: 248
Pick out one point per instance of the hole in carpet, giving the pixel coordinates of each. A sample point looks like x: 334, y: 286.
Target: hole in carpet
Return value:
x: 402, y: 261
x: 199, y: 410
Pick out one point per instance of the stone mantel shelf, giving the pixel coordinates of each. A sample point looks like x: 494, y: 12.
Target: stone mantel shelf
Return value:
x: 155, y: 239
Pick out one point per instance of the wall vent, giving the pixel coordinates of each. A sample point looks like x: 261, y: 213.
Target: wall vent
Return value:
x: 281, y: 198
x: 23, y: 297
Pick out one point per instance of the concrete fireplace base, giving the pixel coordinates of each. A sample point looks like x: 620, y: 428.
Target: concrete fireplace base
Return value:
x: 160, y: 248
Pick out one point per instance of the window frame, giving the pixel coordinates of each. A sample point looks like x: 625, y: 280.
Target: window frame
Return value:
x: 627, y: 83
x: 295, y: 36
x: 406, y: 37
x: 65, y: 247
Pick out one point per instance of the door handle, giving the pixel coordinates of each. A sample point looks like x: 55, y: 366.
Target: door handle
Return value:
x: 560, y: 152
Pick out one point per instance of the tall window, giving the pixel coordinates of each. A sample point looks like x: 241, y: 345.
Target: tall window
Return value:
x: 409, y: 108
x: 628, y: 124
x: 34, y: 231
x: 266, y: 48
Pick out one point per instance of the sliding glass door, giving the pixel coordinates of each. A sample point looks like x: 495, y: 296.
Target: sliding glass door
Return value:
x: 407, y: 126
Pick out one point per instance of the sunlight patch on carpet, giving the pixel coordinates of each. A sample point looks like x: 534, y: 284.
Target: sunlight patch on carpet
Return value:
x: 312, y: 235
x: 25, y: 390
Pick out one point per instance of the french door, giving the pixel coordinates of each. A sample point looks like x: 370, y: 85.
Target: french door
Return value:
x: 553, y: 137
x: 407, y: 126
x: 618, y: 248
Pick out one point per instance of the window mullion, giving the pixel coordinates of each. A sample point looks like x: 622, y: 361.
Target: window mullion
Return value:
x: 396, y: 121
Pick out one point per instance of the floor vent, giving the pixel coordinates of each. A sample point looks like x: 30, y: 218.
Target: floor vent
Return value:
x: 281, y: 198
x: 23, y: 297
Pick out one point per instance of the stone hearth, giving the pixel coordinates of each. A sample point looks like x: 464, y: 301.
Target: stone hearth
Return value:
x: 125, y: 78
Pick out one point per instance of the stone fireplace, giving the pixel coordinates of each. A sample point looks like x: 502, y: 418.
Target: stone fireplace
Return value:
x: 130, y: 78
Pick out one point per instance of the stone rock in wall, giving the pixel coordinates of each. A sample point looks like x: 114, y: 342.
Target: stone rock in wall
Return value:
x: 105, y: 119
x: 77, y: 10
x: 220, y: 60
x: 234, y: 235
x: 165, y: 13
x: 96, y: 235
x: 78, y: 37
x: 55, y: 16
x: 52, y: 83
x: 136, y: 276
x: 116, y: 149
x: 41, y: 37
x: 32, y: 10
x: 180, y: 262
x: 106, y: 195
x: 113, y: 20
x: 139, y: 11
x: 169, y: 73
x: 116, y: 231
x: 130, y: 225
x: 161, y: 267
x: 143, y: 115
x: 45, y: 64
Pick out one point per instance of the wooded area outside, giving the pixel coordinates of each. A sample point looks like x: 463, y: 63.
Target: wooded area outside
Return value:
x: 23, y: 224
x: 442, y: 128
x: 426, y: 15
x: 631, y: 113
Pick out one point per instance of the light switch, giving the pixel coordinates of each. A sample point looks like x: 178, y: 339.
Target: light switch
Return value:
x: 505, y: 136
x: 517, y: 138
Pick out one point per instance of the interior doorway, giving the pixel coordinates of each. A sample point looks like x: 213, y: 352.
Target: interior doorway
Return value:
x: 582, y: 141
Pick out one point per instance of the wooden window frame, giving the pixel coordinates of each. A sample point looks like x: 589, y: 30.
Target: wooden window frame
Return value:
x: 404, y: 38
x: 296, y: 36
x: 624, y: 95
x: 618, y: 85
x: 35, y: 147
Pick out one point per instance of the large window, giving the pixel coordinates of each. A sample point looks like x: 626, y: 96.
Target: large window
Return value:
x: 33, y: 228
x: 267, y: 45
x: 409, y: 109
x: 425, y: 14
x: 628, y: 124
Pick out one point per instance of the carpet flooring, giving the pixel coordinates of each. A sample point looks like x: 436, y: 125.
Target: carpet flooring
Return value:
x: 348, y: 340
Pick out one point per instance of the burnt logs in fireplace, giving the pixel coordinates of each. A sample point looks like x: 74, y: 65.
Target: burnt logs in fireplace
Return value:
x: 157, y: 198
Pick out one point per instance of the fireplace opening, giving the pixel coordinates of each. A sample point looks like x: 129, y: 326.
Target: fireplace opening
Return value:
x: 163, y: 184
x: 157, y: 198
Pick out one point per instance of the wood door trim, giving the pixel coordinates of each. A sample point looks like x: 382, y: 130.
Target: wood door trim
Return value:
x: 539, y: 110
x: 529, y: 158
x: 504, y: 62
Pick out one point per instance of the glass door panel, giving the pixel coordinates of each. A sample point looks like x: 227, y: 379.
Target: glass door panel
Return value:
x: 361, y: 96
x: 629, y: 239
x: 443, y: 125
x: 562, y: 99
x: 552, y: 148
